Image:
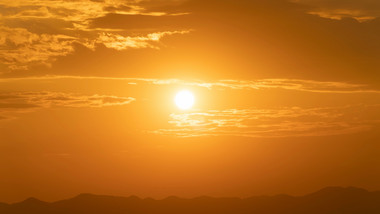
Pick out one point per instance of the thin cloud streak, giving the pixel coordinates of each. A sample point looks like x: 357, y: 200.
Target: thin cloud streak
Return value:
x: 286, y: 84
x: 119, y: 42
x: 362, y: 11
x: 21, y: 102
x: 283, y: 122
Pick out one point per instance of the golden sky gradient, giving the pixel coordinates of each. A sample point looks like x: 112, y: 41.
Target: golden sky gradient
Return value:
x: 287, y: 97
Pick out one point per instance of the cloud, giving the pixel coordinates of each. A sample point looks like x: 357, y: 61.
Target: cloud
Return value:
x: 119, y: 42
x: 311, y: 86
x: 79, y: 11
x: 246, y: 39
x: 297, y: 85
x: 242, y: 120
x: 51, y: 99
x: 173, y: 6
x: 361, y: 10
x: 280, y: 122
x: 35, y: 32
x: 287, y: 84
x: 21, y: 102
x: 141, y: 21
x: 21, y: 48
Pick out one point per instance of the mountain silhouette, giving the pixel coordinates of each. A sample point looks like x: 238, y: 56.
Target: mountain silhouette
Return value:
x: 330, y: 200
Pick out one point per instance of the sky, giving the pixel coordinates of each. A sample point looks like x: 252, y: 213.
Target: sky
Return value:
x: 286, y: 97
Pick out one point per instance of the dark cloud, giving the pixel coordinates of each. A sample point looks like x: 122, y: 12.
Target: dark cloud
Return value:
x: 21, y: 102
x: 17, y: 106
x: 142, y: 22
x: 41, y: 25
x: 167, y: 6
x: 113, y: 9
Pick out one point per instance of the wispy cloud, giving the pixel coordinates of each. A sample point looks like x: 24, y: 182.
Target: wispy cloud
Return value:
x: 119, y: 42
x: 21, y: 102
x: 288, y: 84
x: 311, y: 86
x: 248, y: 122
x: 339, y: 14
x: 363, y: 10
x: 281, y: 122
x: 22, y: 45
x: 49, y: 99
x: 20, y: 48
x: 79, y: 11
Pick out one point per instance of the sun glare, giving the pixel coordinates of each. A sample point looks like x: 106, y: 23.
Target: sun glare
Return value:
x: 184, y: 100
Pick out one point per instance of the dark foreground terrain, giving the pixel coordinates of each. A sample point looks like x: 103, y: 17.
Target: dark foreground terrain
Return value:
x: 331, y: 200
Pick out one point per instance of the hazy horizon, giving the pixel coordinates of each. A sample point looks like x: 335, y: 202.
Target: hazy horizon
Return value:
x: 195, y: 197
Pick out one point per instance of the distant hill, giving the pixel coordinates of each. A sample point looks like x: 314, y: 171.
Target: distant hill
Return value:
x: 331, y: 200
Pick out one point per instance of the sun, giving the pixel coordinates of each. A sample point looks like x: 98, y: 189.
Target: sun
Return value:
x: 184, y: 100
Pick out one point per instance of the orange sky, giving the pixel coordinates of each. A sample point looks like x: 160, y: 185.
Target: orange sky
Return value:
x: 287, y: 97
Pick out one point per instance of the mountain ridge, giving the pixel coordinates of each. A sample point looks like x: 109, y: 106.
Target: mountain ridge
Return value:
x: 329, y: 200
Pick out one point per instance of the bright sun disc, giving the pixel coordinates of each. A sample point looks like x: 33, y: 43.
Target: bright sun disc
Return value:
x: 184, y: 100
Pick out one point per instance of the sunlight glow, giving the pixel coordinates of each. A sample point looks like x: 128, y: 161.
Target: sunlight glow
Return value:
x: 184, y: 100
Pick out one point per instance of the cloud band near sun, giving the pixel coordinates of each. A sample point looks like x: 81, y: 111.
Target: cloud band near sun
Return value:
x: 12, y: 103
